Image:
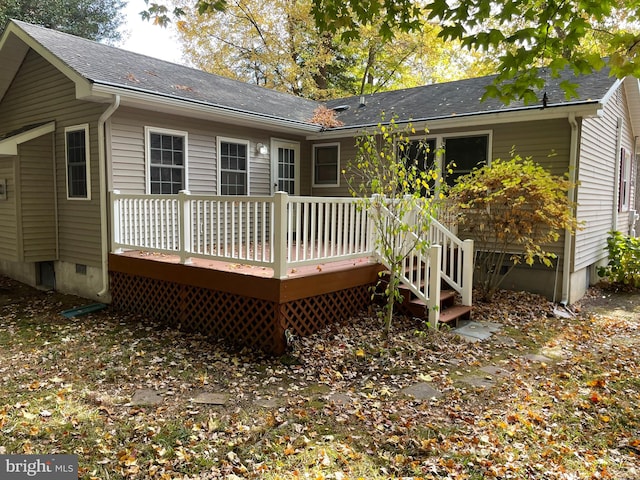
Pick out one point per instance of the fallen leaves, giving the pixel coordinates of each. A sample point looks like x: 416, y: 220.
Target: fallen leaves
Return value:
x: 336, y: 413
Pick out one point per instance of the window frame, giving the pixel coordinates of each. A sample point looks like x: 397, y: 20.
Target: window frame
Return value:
x: 239, y: 141
x: 87, y: 160
x: 314, y: 148
x: 148, y: 131
x: 440, y: 139
x: 624, y: 187
x: 479, y: 133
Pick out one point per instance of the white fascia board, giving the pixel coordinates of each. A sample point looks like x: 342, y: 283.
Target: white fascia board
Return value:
x: 81, y: 82
x: 632, y: 90
x: 475, y: 120
x: 9, y: 146
x: 193, y: 108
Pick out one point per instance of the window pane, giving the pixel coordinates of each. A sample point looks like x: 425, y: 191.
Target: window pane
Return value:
x: 326, y: 166
x: 77, y: 164
x: 466, y: 153
x: 168, y: 157
x: 233, y: 168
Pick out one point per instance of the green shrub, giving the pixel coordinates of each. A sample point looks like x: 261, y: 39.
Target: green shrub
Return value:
x: 624, y: 260
x: 514, y: 210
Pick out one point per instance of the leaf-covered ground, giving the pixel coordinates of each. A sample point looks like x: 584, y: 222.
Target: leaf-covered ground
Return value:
x: 333, y: 409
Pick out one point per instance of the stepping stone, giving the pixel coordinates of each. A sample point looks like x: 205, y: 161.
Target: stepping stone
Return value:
x: 505, y: 340
x: 340, y: 399
x: 421, y: 391
x: 211, y: 398
x: 146, y: 397
x: 533, y: 357
x: 476, y: 381
x: 495, y: 371
x: 555, y: 353
x: 475, y: 331
x: 267, y: 402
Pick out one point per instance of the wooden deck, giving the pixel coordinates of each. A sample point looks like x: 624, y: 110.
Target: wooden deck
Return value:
x: 243, y: 304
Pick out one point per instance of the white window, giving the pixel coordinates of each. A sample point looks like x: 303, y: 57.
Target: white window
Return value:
x: 625, y: 181
x: 464, y: 153
x: 326, y: 165
x: 166, y: 154
x: 461, y: 153
x: 76, y: 140
x: 233, y: 166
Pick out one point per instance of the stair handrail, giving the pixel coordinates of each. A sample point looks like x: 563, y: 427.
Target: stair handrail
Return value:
x: 425, y: 280
x: 456, y: 263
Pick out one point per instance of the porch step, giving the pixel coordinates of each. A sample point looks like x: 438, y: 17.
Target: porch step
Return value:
x: 450, y: 312
x: 451, y: 315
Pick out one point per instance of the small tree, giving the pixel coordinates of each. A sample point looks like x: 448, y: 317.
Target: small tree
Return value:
x: 391, y: 176
x: 514, y: 209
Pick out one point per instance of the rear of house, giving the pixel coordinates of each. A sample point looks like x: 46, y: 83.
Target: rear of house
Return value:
x: 79, y: 120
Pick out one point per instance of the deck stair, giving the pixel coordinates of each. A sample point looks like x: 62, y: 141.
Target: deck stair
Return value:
x: 450, y: 311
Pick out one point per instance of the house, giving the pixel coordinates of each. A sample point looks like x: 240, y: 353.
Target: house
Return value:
x: 82, y: 124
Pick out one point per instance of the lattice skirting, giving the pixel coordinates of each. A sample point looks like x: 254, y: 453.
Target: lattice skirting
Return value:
x: 242, y: 320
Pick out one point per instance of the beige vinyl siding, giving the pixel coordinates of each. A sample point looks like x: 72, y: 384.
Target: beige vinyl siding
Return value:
x: 127, y: 134
x: 538, y: 139
x: 37, y: 200
x: 8, y: 215
x: 596, y: 173
x: 41, y: 93
x: 547, y: 142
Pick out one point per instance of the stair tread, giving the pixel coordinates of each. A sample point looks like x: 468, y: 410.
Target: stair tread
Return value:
x: 444, y: 293
x: 452, y: 313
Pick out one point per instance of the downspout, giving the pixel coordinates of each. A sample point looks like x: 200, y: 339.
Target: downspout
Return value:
x: 616, y: 176
x: 102, y: 172
x: 571, y: 196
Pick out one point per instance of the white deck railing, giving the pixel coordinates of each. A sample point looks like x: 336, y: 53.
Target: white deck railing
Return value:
x: 279, y: 232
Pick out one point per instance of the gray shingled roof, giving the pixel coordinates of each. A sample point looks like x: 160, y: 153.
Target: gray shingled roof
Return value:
x: 462, y: 98
x: 103, y: 64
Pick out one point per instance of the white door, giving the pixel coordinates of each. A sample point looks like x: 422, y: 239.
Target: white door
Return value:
x: 285, y: 161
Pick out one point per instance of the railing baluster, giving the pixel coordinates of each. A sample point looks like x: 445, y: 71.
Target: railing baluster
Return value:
x: 236, y: 228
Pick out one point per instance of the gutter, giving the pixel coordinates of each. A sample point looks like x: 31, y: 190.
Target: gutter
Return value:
x: 571, y: 197
x: 583, y: 109
x: 102, y: 172
x: 150, y: 96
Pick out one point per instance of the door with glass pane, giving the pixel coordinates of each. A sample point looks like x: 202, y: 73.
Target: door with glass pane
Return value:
x: 285, y: 159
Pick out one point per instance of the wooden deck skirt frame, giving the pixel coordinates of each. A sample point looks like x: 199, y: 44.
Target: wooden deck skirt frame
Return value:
x: 245, y: 309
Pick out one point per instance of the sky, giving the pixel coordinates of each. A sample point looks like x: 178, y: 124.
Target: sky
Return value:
x: 143, y: 37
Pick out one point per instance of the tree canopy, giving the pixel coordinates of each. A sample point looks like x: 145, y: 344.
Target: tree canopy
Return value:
x: 520, y: 34
x: 93, y: 19
x: 278, y: 45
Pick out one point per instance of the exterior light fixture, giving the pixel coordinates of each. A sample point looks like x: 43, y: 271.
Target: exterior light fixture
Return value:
x: 262, y: 149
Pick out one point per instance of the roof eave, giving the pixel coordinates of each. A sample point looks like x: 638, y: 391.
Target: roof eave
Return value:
x: 632, y: 90
x: 9, y: 145
x: 81, y: 83
x: 182, y: 106
x: 520, y: 114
